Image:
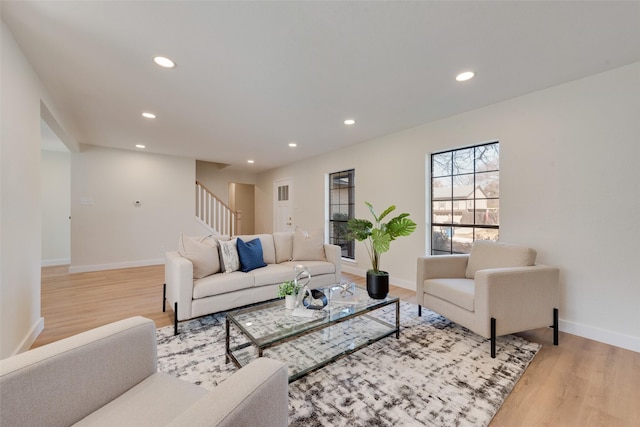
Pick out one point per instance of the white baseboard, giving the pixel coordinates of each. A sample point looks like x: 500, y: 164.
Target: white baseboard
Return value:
x: 52, y: 262
x: 114, y: 266
x: 31, y: 337
x: 353, y: 270
x: 601, y: 335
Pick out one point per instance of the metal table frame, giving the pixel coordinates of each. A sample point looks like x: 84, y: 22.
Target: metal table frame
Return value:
x: 261, y: 347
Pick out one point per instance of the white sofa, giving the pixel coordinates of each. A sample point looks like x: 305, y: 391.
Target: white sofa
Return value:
x: 108, y: 377
x: 191, y: 296
x: 496, y: 290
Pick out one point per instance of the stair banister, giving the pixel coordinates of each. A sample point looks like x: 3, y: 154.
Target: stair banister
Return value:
x: 214, y: 213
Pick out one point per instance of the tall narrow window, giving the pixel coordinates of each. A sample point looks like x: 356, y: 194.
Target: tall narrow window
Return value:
x: 465, y: 198
x: 341, y: 209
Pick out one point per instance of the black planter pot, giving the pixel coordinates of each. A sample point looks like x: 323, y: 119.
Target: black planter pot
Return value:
x: 377, y: 284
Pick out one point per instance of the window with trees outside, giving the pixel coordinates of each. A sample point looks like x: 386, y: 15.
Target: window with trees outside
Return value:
x: 341, y: 209
x: 465, y: 198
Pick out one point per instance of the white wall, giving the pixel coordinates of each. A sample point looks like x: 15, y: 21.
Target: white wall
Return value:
x: 56, y: 207
x: 20, y: 222
x: 23, y: 101
x: 113, y: 232
x: 217, y: 178
x: 568, y: 188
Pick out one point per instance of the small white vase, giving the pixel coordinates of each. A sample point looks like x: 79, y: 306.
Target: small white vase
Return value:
x: 290, y: 301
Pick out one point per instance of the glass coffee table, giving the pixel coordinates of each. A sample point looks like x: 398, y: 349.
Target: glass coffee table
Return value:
x: 306, y: 344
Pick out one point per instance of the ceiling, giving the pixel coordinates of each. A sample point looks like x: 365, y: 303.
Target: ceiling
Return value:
x: 252, y: 77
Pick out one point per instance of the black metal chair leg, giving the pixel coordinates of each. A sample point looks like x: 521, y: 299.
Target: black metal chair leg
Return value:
x: 164, y: 298
x: 493, y: 338
x: 419, y: 310
x: 555, y: 326
x: 175, y: 319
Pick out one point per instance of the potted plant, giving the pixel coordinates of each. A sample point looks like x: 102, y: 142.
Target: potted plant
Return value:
x: 288, y: 290
x: 377, y: 237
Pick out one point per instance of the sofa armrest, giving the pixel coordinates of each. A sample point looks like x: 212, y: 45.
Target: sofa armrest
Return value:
x: 439, y: 266
x: 519, y: 298
x: 333, y: 253
x: 256, y: 395
x: 178, y: 276
x: 60, y: 383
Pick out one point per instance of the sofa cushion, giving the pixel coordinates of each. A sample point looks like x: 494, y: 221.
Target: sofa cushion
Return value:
x: 229, y: 259
x: 308, y: 246
x: 217, y: 284
x: 460, y: 292
x: 250, y: 254
x: 212, y: 239
x: 316, y: 268
x: 204, y: 257
x: 488, y: 254
x: 273, y: 274
x: 268, y: 249
x: 167, y: 397
x: 283, y: 242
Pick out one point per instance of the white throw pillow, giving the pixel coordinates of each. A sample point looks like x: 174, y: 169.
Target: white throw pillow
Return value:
x: 283, y: 242
x: 488, y: 254
x: 212, y: 239
x: 205, y: 258
x: 308, y: 246
x: 229, y: 259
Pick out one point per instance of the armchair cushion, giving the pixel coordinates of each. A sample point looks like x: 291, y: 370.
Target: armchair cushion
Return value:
x: 487, y: 254
x: 155, y: 401
x: 457, y: 291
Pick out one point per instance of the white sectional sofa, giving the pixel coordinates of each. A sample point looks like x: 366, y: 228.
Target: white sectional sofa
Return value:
x: 194, y: 287
x: 108, y: 377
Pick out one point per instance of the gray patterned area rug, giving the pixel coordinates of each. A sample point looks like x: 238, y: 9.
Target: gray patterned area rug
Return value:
x: 436, y: 374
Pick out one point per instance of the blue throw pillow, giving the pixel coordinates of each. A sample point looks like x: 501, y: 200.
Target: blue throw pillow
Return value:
x: 250, y: 254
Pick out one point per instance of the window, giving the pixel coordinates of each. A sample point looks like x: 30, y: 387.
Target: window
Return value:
x: 341, y: 209
x: 465, y: 198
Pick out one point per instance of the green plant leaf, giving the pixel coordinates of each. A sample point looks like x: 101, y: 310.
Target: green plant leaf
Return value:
x: 370, y: 206
x: 400, y: 226
x: 287, y: 288
x: 381, y: 241
x: 359, y: 229
x: 387, y: 212
x: 378, y: 238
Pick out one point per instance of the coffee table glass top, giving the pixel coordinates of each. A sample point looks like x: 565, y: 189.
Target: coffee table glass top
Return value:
x: 282, y: 324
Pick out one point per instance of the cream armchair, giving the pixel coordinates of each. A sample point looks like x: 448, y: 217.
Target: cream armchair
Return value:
x: 496, y: 290
x: 108, y: 377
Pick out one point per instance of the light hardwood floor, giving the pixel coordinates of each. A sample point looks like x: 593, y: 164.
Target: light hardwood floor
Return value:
x: 578, y: 383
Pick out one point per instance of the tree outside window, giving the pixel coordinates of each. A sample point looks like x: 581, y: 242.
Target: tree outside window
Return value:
x: 465, y: 197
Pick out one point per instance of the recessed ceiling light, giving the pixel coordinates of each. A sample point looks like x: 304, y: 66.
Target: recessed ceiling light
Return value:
x: 463, y: 77
x: 349, y: 122
x: 149, y: 115
x: 250, y: 161
x: 140, y: 146
x: 293, y: 144
x: 164, y: 62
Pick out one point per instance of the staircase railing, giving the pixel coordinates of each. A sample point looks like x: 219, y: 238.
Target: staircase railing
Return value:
x: 214, y: 212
